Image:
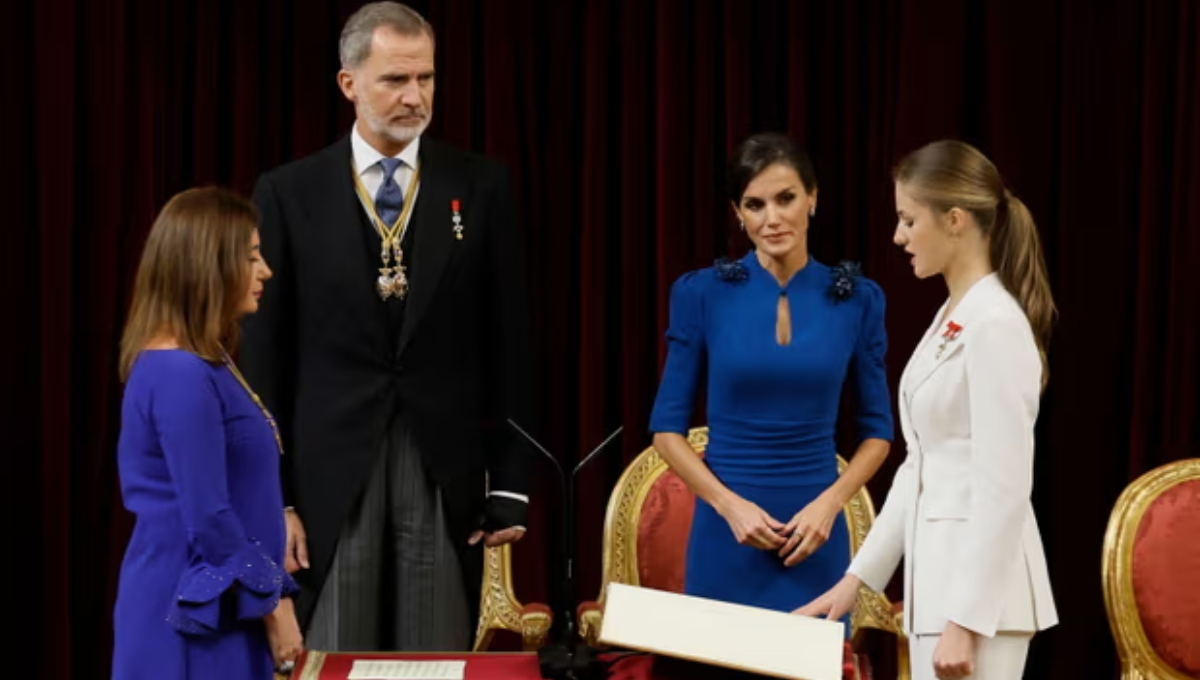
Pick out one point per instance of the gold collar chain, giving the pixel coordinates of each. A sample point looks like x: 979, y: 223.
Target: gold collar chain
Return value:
x: 254, y: 397
x: 392, y: 280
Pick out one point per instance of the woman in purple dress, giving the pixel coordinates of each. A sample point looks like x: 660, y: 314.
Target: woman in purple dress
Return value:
x: 202, y: 593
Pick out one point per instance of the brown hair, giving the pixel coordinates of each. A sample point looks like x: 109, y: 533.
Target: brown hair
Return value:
x: 952, y: 174
x: 194, y: 273
x: 760, y: 152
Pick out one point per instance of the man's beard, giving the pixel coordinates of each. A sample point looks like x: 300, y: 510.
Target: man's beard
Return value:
x: 401, y: 134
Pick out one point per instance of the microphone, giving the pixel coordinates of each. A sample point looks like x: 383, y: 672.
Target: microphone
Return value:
x: 567, y: 658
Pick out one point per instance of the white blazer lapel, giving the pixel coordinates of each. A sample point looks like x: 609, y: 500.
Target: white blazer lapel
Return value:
x: 913, y: 375
x: 977, y: 299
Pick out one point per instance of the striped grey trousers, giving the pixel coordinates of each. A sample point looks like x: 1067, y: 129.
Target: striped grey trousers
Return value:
x: 395, y: 583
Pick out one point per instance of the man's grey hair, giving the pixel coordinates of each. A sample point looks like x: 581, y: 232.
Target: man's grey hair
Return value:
x: 355, y: 44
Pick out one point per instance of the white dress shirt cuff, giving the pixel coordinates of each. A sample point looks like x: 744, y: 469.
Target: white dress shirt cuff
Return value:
x: 508, y: 494
x: 516, y: 497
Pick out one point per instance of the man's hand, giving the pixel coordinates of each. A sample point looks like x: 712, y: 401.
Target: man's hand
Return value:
x: 501, y: 521
x: 296, y: 553
x: 496, y: 538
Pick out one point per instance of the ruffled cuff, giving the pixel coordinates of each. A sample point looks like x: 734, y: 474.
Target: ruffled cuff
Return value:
x: 249, y: 582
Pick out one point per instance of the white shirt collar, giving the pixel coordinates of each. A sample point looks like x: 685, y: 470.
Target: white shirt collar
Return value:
x: 367, y: 156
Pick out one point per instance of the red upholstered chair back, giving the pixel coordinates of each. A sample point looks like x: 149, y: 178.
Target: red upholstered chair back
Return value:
x: 662, y: 532
x: 1151, y: 563
x: 646, y: 528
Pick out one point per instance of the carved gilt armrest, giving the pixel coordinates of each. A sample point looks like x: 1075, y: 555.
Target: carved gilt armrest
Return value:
x: 499, y: 608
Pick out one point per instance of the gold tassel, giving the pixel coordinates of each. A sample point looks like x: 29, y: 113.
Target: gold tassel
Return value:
x: 783, y: 321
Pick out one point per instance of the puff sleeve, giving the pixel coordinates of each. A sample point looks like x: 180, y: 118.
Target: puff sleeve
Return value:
x: 874, y: 402
x: 686, y: 350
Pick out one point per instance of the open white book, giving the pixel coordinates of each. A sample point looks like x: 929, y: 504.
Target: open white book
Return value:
x: 734, y: 636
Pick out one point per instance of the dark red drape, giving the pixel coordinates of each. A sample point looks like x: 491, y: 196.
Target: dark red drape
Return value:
x: 616, y: 118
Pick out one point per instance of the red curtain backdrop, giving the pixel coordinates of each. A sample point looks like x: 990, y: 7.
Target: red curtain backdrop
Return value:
x: 616, y: 119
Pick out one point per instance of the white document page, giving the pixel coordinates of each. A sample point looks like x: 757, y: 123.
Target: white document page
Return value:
x: 734, y: 636
x: 368, y: 669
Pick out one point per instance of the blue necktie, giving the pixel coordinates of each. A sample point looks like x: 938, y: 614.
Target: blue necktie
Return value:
x: 389, y: 200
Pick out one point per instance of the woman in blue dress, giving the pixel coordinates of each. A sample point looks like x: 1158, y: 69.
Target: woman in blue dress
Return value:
x: 202, y: 593
x: 778, y: 334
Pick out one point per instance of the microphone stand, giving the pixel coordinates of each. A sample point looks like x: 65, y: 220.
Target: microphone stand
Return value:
x: 567, y: 658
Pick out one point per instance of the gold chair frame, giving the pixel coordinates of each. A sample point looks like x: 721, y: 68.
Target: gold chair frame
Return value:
x: 872, y: 610
x: 499, y: 608
x: 1139, y: 660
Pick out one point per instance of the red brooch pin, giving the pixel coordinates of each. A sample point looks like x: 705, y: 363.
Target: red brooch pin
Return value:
x: 948, y: 336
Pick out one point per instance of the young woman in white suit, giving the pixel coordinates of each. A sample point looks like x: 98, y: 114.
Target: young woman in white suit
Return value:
x: 976, y: 587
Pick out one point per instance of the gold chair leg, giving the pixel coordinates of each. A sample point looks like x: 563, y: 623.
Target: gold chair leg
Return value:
x: 903, y: 667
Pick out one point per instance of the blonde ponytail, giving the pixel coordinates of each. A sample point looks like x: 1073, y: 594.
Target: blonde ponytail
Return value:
x: 1016, y: 253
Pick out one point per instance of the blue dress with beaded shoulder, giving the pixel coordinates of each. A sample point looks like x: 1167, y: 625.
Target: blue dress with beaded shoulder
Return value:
x: 199, y: 469
x: 772, y: 410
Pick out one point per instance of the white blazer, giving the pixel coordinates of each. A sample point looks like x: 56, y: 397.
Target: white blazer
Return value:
x: 959, y: 507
